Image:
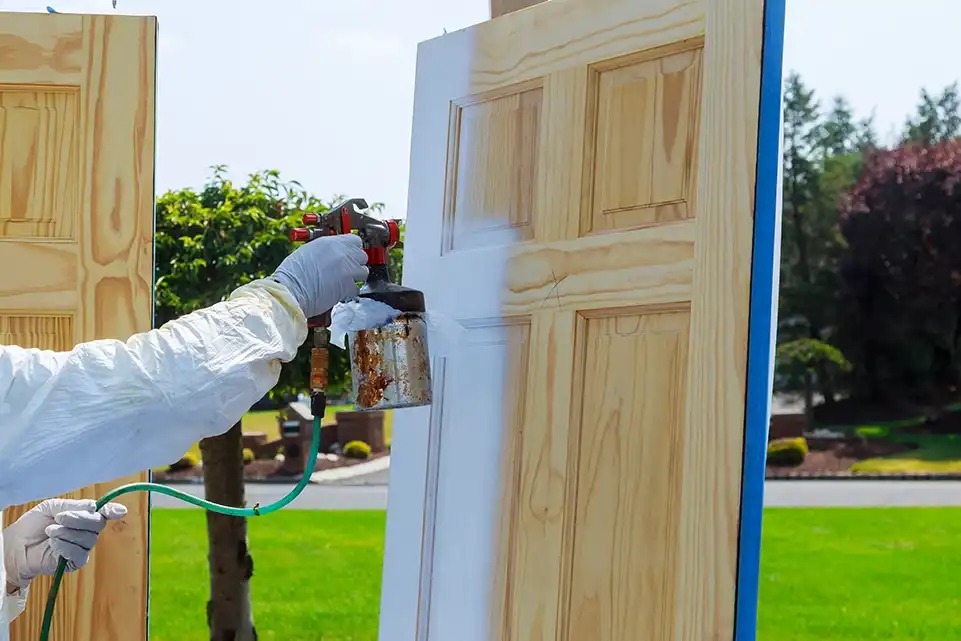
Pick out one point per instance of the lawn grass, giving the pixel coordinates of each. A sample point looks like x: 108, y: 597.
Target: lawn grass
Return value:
x: 317, y: 575
x: 266, y: 421
x: 869, y: 574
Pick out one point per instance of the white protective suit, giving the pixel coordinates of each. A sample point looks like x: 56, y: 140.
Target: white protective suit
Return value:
x: 110, y: 408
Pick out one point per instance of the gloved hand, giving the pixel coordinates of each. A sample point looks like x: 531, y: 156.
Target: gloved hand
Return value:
x: 324, y: 272
x: 55, y: 528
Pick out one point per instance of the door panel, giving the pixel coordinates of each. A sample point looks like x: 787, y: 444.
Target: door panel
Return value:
x: 584, y: 169
x: 626, y: 504
x: 76, y: 251
x: 490, y: 349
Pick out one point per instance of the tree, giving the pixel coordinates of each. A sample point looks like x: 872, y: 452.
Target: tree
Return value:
x: 838, y: 133
x: 902, y: 269
x: 821, y: 159
x: 800, y: 175
x: 208, y: 244
x: 938, y: 118
x: 804, y: 358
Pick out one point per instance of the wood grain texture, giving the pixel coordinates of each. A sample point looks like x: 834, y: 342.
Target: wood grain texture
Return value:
x: 644, y: 139
x: 77, y: 97
x: 40, y: 51
x: 632, y: 373
x: 501, y: 7
x: 39, y: 177
x: 540, y: 504
x: 618, y: 498
x: 42, y: 332
x: 563, y: 34
x: 714, y: 416
x: 646, y: 266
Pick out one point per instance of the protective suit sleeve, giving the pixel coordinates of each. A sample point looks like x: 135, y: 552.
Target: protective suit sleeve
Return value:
x: 110, y: 408
x: 11, y: 605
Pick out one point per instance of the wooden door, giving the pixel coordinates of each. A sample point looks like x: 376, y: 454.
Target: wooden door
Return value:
x: 76, y: 251
x: 583, y: 200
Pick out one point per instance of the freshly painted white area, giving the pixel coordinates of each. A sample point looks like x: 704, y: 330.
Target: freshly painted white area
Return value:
x: 465, y: 514
x: 445, y: 460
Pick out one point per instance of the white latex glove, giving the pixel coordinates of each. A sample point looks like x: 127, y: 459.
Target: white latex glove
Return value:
x: 324, y: 272
x: 34, y: 544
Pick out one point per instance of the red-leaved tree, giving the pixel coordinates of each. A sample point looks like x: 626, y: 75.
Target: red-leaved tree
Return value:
x: 901, y: 269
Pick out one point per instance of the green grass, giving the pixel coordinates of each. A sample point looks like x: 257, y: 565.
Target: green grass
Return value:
x: 872, y: 574
x: 316, y: 577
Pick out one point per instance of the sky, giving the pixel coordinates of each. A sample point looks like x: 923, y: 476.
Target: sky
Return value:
x: 323, y: 90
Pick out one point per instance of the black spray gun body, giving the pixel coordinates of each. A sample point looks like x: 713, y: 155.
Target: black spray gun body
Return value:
x: 390, y: 364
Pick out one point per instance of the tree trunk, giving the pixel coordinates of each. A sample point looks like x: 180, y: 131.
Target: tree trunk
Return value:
x: 825, y: 384
x: 808, y: 401
x: 229, y: 615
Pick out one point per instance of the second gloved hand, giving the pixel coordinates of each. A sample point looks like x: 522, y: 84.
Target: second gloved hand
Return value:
x: 34, y: 544
x: 324, y: 272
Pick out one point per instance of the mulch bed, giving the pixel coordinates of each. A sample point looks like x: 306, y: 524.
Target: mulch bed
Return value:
x: 266, y: 469
x: 830, y: 457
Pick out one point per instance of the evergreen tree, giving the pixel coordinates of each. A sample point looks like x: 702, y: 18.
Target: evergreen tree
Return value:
x: 866, y: 137
x: 821, y: 160
x: 938, y: 118
x: 839, y: 131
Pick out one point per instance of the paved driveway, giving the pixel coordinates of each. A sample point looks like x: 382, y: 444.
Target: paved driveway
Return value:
x: 861, y: 493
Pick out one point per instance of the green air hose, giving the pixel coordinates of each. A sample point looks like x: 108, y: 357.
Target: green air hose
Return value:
x: 256, y: 510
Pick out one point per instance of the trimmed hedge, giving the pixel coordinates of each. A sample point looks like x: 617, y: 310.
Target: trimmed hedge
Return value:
x: 357, y: 449
x: 787, y: 451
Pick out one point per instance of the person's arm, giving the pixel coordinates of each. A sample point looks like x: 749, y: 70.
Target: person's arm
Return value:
x: 110, y: 408
x: 12, y: 603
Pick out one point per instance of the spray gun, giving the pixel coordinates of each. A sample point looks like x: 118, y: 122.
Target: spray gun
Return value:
x: 389, y: 364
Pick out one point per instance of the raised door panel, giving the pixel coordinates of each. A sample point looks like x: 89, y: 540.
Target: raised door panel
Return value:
x: 76, y: 251
x: 631, y: 384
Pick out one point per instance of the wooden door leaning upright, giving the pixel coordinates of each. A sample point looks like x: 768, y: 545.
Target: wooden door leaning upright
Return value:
x: 593, y: 195
x: 76, y: 250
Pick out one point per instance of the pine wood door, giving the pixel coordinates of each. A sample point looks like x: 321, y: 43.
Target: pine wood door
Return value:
x: 583, y: 200
x: 76, y: 251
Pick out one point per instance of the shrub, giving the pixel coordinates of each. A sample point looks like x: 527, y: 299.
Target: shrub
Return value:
x: 787, y: 451
x: 248, y: 455
x: 187, y: 462
x: 357, y: 449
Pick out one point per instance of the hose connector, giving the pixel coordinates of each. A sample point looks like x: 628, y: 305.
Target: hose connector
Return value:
x: 319, y: 371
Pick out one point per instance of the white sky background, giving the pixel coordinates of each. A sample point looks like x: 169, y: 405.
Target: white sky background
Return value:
x: 323, y: 90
